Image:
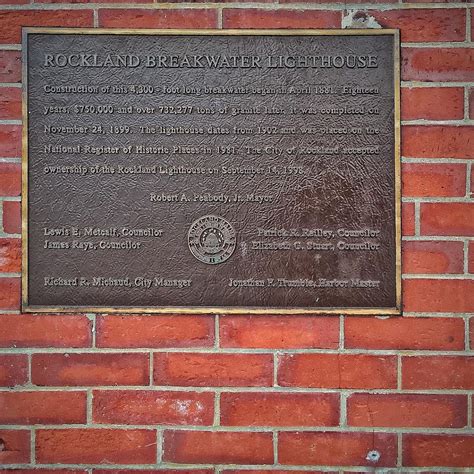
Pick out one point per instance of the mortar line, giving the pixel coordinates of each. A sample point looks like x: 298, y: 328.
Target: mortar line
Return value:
x: 437, y: 199
x: 444, y: 161
x: 218, y: 468
x: 217, y: 338
x: 469, y: 411
x: 439, y: 123
x: 466, y: 102
x: 247, y: 5
x: 264, y: 352
x: 10, y: 122
x: 250, y: 429
x: 93, y: 318
x: 468, y: 25
x: 16, y: 85
x: 33, y: 446
x: 275, y: 448
x: 10, y: 275
x: 399, y: 449
x: 90, y: 397
x: 399, y: 372
x: 10, y: 159
x: 450, y: 84
x: 466, y: 333
x: 434, y: 276
x: 10, y: 198
x: 220, y: 21
x: 95, y: 18
x: 469, y: 191
x: 150, y: 363
x: 343, y: 408
x: 417, y: 218
x: 341, y: 332
x: 468, y: 178
x: 466, y: 257
x: 9, y: 47
x: 446, y: 238
x: 437, y: 44
x: 217, y: 408
x: 29, y: 356
x: 275, y: 369
x: 159, y: 446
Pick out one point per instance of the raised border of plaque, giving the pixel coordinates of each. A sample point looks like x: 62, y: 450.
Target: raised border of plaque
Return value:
x: 396, y: 310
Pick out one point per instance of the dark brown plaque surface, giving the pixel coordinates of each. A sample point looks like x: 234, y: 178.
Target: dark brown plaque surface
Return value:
x: 213, y: 171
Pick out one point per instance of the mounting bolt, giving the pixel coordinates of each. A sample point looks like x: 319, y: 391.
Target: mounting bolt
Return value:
x: 373, y: 456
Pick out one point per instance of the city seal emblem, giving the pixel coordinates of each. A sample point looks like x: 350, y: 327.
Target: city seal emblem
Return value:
x: 211, y: 239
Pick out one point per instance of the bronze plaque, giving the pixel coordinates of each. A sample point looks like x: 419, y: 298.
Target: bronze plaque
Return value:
x: 211, y: 171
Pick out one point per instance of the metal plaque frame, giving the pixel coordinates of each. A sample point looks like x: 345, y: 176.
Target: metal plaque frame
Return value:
x: 396, y: 310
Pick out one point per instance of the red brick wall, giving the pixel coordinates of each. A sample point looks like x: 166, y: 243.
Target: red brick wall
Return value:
x: 233, y: 393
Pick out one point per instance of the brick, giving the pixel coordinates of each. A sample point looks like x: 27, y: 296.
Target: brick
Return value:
x: 96, y: 446
x: 438, y: 372
x: 437, y: 64
x: 155, y: 331
x: 136, y: 18
x: 435, y: 1
x: 432, y: 103
x: 10, y: 66
x: 279, y: 332
x: 419, y: 24
x: 42, y: 407
x: 438, y: 450
x: 437, y: 141
x: 434, y: 179
x: 338, y: 2
x: 90, y: 369
x: 438, y: 296
x: 275, y: 471
x: 218, y: 447
x: 10, y: 255
x: 13, y: 369
x: 412, y: 411
x: 10, y: 141
x: 214, y: 370
x: 337, y: 371
x: 256, y: 18
x: 408, y: 218
x: 154, y: 471
x: 447, y: 218
x: 13, y: 2
x: 92, y: 1
x: 13, y: 20
x: 10, y: 293
x: 153, y: 407
x: 40, y: 470
x: 470, y: 259
x: 10, y: 103
x: 340, y: 449
x: 14, y: 447
x: 433, y: 257
x: 443, y: 334
x: 279, y: 409
x: 10, y: 179
x: 28, y: 330
x: 12, y: 217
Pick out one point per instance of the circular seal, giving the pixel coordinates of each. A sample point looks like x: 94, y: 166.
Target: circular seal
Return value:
x: 211, y: 239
